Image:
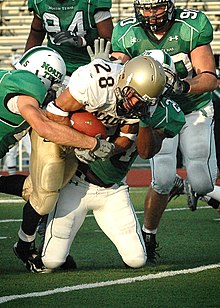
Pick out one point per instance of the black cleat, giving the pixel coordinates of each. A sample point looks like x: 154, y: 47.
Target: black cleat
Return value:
x: 69, y: 264
x: 151, y: 247
x: 178, y: 188
x: 31, y: 260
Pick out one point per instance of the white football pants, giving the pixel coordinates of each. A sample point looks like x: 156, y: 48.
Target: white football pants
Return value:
x: 113, y: 211
x: 196, y: 142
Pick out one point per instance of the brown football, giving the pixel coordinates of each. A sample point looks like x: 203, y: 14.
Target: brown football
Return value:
x: 86, y: 123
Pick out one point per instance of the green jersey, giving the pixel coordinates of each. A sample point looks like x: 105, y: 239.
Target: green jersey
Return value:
x: 12, y: 126
x: 190, y: 29
x: 72, y: 15
x: 167, y: 116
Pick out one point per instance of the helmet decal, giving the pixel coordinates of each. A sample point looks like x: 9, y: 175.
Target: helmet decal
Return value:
x: 44, y: 62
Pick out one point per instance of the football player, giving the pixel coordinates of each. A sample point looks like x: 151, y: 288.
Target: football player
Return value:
x: 185, y: 35
x: 70, y: 26
x: 118, y: 97
x: 183, y: 187
x: 22, y: 93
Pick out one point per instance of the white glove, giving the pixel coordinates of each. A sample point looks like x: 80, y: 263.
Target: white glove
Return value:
x: 69, y: 37
x: 102, y: 150
x: 100, y: 50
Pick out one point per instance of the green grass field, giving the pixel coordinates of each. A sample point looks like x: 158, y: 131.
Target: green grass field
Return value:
x: 187, y: 274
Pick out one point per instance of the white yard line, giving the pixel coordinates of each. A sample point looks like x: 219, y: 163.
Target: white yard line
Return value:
x: 12, y: 201
x: 100, y: 284
x: 137, y: 212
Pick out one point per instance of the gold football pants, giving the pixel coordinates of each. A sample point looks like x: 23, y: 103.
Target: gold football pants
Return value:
x: 51, y: 168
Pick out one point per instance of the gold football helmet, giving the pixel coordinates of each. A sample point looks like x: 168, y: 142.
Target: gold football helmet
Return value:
x: 144, y: 79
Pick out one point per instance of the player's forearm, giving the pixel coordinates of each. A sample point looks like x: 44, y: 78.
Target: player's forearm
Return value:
x: 149, y: 142
x: 66, y: 136
x: 34, y: 39
x: 204, y: 82
x: 55, y: 132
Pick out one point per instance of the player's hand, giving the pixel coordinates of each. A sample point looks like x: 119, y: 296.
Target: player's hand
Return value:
x: 100, y: 50
x: 102, y: 150
x: 68, y: 37
x: 58, y: 88
x: 180, y: 86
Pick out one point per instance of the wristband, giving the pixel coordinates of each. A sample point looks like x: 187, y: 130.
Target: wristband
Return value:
x: 132, y: 137
x: 52, y: 108
x: 186, y: 87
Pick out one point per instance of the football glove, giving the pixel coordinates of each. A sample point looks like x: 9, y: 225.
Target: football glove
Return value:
x: 53, y: 92
x: 100, y: 50
x: 69, y: 37
x: 102, y: 150
x: 180, y: 86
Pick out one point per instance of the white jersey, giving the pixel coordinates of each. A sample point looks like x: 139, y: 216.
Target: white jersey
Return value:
x: 93, y: 86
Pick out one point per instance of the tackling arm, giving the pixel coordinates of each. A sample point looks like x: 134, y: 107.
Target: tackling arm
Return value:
x: 149, y: 141
x: 52, y: 131
x: 206, y: 80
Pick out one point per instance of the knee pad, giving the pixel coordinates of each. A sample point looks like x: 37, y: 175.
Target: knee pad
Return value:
x: 135, y: 262
x: 27, y: 188
x: 163, y: 174
x: 163, y: 166
x: 52, y: 263
x: 43, y: 201
x: 199, y: 177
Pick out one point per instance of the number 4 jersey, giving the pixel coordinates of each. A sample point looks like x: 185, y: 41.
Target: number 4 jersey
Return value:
x: 71, y: 15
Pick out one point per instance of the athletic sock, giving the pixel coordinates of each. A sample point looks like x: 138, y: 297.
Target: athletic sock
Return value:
x: 12, y: 185
x: 30, y: 219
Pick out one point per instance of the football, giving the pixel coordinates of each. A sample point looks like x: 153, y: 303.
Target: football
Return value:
x: 86, y: 123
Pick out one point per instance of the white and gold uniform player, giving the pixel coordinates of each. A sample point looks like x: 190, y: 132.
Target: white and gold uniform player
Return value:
x: 118, y: 96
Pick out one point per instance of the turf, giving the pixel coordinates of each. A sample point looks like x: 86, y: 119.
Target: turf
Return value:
x: 188, y: 240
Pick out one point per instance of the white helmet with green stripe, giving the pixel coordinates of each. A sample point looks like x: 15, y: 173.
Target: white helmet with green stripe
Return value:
x: 44, y: 62
x: 168, y: 65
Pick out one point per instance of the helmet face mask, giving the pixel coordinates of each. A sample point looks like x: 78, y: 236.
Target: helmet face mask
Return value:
x: 140, y: 85
x: 44, y: 62
x: 125, y: 107
x: 157, y: 20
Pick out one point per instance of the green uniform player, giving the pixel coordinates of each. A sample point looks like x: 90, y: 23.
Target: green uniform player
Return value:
x: 185, y: 35
x: 70, y: 25
x: 167, y: 117
x: 12, y: 125
x: 190, y: 29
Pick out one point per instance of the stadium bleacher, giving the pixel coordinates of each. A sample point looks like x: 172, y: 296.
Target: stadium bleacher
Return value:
x: 15, y: 20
